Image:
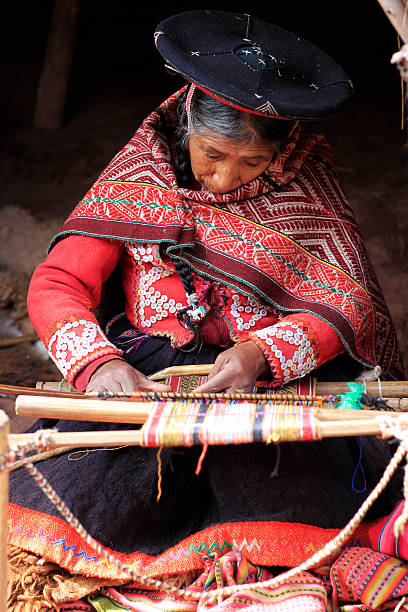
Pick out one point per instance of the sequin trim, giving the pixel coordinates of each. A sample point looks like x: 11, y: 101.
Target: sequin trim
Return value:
x: 291, y: 350
x: 247, y: 312
x: 74, y: 343
x: 150, y: 297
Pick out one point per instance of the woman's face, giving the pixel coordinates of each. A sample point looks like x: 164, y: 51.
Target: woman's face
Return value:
x: 220, y: 164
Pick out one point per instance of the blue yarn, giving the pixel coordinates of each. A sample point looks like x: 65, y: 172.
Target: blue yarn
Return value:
x: 359, y: 466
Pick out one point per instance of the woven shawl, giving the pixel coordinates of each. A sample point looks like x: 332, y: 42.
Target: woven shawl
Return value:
x: 288, y: 238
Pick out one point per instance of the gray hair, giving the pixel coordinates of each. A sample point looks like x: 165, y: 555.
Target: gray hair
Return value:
x: 207, y: 114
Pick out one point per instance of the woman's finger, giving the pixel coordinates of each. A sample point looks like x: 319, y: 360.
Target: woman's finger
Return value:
x: 104, y: 383
x: 150, y: 385
x: 221, y: 381
x: 219, y: 364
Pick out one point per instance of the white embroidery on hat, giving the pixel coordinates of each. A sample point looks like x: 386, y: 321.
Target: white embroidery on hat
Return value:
x: 156, y: 36
x: 267, y: 109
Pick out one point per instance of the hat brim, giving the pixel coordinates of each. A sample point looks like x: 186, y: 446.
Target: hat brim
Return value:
x: 253, y: 65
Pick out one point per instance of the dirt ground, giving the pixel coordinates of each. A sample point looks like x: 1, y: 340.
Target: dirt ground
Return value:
x: 44, y: 174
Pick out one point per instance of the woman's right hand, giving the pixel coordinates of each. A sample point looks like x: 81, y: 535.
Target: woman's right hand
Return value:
x: 118, y: 375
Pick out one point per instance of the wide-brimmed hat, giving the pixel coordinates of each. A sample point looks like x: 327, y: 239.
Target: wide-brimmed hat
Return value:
x: 253, y: 65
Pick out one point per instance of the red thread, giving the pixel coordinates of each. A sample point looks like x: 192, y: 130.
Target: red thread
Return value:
x: 201, y: 459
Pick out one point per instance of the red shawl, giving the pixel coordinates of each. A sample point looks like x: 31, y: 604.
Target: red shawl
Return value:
x: 288, y: 238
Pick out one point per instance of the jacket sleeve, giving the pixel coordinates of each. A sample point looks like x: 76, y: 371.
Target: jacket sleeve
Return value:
x: 63, y: 293
x: 296, y: 345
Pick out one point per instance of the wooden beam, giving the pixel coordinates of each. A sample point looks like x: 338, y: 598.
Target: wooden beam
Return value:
x: 82, y: 409
x: 136, y: 412
x: 397, y: 13
x: 53, y: 84
x: 347, y: 423
x: 81, y: 439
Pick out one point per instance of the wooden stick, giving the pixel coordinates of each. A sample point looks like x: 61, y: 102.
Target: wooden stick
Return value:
x: 54, y: 386
x: 53, y: 83
x: 199, y: 369
x: 396, y: 11
x: 355, y: 427
x: 82, y: 439
x: 5, y: 342
x: 15, y: 390
x: 81, y: 409
x: 328, y: 429
x: 389, y: 388
x: 4, y: 431
x: 399, y: 404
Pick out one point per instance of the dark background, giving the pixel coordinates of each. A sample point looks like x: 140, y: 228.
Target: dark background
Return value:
x: 115, y: 50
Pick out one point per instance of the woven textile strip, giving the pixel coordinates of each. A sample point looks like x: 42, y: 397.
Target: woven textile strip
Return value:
x: 188, y: 383
x: 185, y: 423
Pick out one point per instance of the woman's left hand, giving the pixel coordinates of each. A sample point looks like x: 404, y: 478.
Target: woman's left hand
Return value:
x: 236, y: 369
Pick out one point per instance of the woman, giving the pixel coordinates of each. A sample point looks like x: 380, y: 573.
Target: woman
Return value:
x: 237, y: 247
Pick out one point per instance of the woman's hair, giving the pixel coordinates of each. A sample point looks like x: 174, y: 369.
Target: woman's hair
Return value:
x: 207, y: 114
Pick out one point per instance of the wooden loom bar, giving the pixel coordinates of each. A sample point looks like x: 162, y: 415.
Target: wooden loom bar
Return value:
x: 81, y: 409
x: 328, y: 429
x: 4, y: 431
x: 82, y: 439
x: 390, y: 388
x: 15, y: 390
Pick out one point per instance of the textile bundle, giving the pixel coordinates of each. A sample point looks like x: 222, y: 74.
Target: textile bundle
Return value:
x: 358, y: 580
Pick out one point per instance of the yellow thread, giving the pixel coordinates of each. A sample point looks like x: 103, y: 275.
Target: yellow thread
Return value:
x: 159, y: 474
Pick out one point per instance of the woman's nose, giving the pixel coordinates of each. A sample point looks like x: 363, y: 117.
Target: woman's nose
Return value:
x: 226, y: 178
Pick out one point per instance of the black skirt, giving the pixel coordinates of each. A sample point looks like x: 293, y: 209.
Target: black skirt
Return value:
x: 114, y: 492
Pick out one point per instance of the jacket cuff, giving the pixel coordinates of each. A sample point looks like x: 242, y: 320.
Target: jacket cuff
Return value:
x: 75, y: 343
x: 291, y: 349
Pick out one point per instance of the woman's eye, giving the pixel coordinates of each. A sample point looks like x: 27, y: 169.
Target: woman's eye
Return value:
x: 252, y: 165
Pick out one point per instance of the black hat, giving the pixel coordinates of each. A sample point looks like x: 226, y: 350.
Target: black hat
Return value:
x: 253, y: 65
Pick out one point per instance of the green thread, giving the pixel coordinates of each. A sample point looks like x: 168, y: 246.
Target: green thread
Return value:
x: 214, y: 546
x: 351, y: 400
x: 131, y: 203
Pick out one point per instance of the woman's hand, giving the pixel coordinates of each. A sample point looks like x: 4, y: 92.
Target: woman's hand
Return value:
x: 118, y: 375
x: 236, y: 369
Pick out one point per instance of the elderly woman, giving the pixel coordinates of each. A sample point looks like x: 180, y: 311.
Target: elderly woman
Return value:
x: 236, y: 247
